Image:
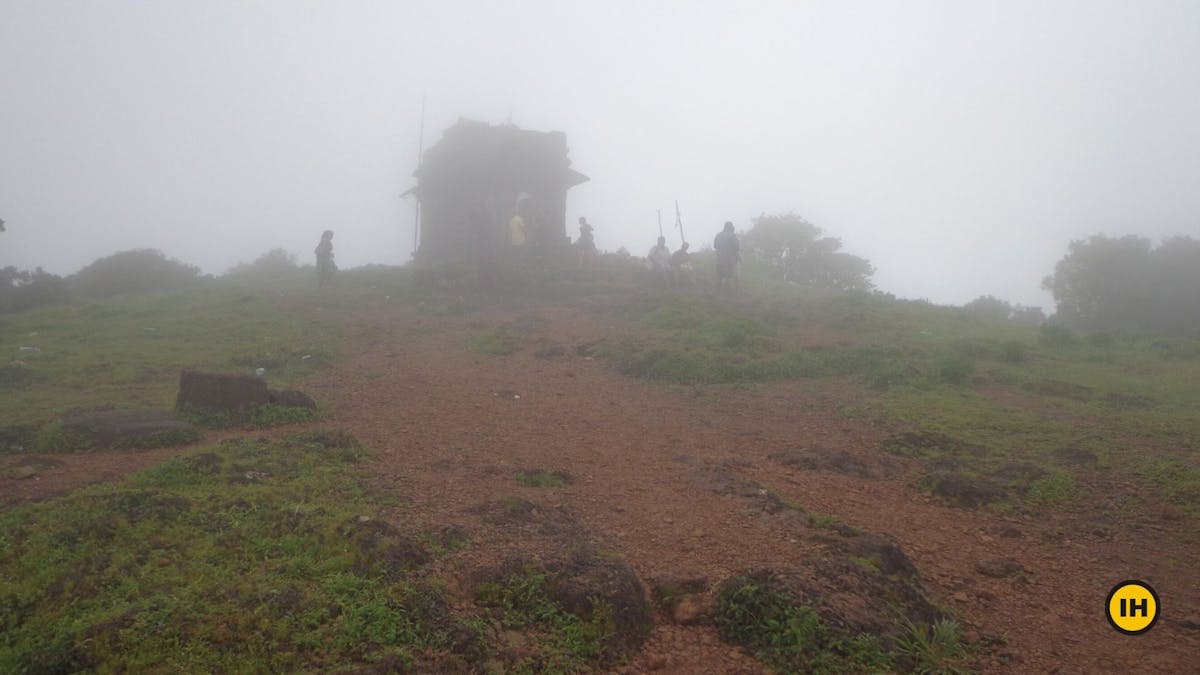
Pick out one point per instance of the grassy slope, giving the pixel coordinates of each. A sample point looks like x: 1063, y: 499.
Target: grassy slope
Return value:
x: 127, y: 351
x: 1047, y: 405
x: 246, y: 557
x: 197, y: 551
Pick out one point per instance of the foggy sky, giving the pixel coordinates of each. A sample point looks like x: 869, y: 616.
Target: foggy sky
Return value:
x: 957, y: 145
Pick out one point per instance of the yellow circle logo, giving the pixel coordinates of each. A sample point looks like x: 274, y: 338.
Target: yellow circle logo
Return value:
x: 1132, y: 607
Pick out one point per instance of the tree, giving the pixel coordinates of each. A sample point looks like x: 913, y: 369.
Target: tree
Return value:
x: 1106, y: 283
x: 271, y: 265
x: 989, y: 307
x: 133, y: 271
x: 22, y: 289
x: 795, y: 250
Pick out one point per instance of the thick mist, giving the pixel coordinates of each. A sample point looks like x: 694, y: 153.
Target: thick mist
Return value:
x: 959, y: 147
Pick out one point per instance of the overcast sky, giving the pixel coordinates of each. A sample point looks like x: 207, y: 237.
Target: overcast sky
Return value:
x: 957, y: 145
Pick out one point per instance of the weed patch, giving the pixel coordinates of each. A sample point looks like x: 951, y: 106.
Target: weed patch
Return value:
x: 498, y: 341
x: 580, y: 614
x: 54, y: 438
x: 788, y: 635
x: 260, y: 416
x: 128, y: 350
x: 286, y: 572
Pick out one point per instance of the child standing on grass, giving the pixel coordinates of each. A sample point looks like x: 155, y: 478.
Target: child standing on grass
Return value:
x: 325, y: 266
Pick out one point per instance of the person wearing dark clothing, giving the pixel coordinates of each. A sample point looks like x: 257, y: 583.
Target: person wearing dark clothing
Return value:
x: 681, y: 267
x: 586, y: 244
x: 325, y: 266
x: 729, y: 254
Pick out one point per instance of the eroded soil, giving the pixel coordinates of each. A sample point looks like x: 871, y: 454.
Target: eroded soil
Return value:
x: 655, y: 474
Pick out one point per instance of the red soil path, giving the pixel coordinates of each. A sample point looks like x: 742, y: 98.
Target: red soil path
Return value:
x: 448, y: 435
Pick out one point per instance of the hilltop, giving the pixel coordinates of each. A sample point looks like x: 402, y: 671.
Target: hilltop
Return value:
x: 582, y: 472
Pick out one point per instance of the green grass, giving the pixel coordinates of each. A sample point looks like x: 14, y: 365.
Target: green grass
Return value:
x: 1023, y: 394
x: 245, y: 557
x: 499, y: 341
x: 262, y: 416
x: 564, y: 641
x: 789, y: 636
x: 128, y: 351
x: 936, y: 649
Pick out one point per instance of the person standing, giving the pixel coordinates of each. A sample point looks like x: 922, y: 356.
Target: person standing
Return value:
x: 729, y: 254
x: 586, y: 244
x: 681, y: 267
x: 325, y: 266
x: 659, y: 262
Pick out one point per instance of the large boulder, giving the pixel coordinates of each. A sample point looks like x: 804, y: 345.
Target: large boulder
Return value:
x: 220, y: 392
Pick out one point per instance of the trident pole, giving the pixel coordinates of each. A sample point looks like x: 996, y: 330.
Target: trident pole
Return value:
x: 679, y: 223
x: 417, y: 204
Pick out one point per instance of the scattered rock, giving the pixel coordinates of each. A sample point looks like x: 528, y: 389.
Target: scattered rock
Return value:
x: 999, y: 568
x: 508, y: 394
x: 692, y: 610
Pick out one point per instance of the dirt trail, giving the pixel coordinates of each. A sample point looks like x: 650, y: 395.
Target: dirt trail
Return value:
x: 450, y: 429
x: 451, y: 436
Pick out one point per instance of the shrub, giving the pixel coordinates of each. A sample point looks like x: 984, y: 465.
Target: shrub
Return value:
x: 136, y: 271
x: 22, y: 289
x: 269, y: 266
x: 1055, y: 335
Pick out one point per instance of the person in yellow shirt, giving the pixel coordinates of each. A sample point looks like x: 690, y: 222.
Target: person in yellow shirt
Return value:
x: 516, y: 228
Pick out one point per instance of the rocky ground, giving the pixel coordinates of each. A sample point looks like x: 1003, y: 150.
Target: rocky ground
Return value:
x: 693, y: 486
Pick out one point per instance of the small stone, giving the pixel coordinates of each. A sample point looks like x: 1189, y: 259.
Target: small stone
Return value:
x: 999, y: 567
x: 960, y: 597
x: 657, y: 662
x: 697, y: 533
x: 22, y: 472
x: 692, y: 610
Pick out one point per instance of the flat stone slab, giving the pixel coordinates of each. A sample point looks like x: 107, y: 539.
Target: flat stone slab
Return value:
x: 220, y: 391
x: 113, y: 427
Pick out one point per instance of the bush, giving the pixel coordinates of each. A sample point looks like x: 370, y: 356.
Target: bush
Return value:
x: 134, y: 271
x: 1055, y: 335
x: 269, y: 266
x: 22, y: 289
